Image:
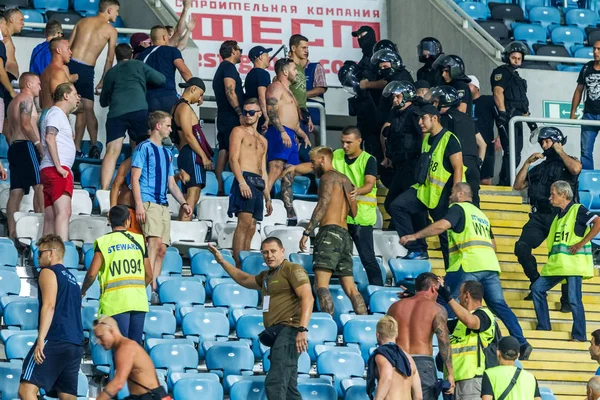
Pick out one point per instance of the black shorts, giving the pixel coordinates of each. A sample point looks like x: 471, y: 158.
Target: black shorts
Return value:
x: 254, y: 206
x: 23, y: 165
x: 333, y: 250
x: 85, y: 82
x: 187, y: 162
x: 487, y: 169
x: 135, y: 123
x: 60, y: 369
x: 155, y: 394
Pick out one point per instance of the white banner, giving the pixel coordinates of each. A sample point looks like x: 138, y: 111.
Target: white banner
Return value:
x: 270, y: 23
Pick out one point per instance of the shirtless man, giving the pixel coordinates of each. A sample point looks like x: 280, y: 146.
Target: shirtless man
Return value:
x: 194, y: 158
x: 332, y: 253
x: 133, y: 365
x: 25, y: 149
x: 14, y: 22
x: 419, y: 317
x: 56, y: 72
x: 396, y: 372
x: 248, y: 162
x: 88, y: 39
x: 285, y: 125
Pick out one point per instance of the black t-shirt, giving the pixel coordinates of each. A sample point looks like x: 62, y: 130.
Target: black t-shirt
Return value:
x: 370, y: 168
x: 464, y: 93
x: 584, y: 218
x: 227, y: 118
x: 456, y: 217
x: 257, y: 77
x: 464, y: 128
x: 162, y: 59
x: 486, y: 387
x: 483, y: 115
x: 431, y: 75
x: 484, y: 321
x: 452, y: 148
x: 590, y: 79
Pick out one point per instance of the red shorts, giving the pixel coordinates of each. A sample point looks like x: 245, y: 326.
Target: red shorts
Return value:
x: 55, y: 185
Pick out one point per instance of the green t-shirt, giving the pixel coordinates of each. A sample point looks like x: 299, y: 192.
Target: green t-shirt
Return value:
x: 298, y: 88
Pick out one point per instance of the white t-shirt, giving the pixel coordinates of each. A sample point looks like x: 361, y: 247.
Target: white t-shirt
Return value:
x: 56, y: 118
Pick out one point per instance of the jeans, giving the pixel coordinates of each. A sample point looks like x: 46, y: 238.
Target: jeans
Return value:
x: 131, y: 324
x: 588, y: 138
x: 362, y: 236
x: 540, y: 289
x: 492, y: 294
x: 282, y: 378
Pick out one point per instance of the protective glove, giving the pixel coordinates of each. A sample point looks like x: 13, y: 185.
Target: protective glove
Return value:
x: 445, y: 293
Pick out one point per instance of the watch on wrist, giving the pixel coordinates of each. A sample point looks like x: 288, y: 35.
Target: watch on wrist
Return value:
x: 302, y: 329
x: 305, y: 233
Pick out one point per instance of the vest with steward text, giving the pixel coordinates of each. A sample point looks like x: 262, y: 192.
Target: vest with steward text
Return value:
x: 501, y: 376
x: 560, y: 238
x: 367, y: 203
x: 468, y: 358
x: 122, y: 275
x: 472, y: 248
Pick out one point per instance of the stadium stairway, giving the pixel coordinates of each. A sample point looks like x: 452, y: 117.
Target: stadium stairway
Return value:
x: 561, y: 365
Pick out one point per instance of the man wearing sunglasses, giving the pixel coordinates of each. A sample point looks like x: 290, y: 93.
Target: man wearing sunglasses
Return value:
x: 41, y: 56
x: 53, y: 362
x: 248, y: 161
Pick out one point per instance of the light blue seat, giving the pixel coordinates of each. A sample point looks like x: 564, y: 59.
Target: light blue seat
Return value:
x: 316, y: 391
x: 581, y: 18
x: 584, y: 52
x: 199, y: 326
x: 233, y: 296
x: 381, y: 301
x: 248, y: 327
x: 3, y: 147
x: 568, y: 68
x: 89, y: 313
x: 406, y: 271
x: 22, y: 313
x: 212, y: 283
x: 181, y: 292
x: 568, y: 36
x: 86, y: 7
x: 207, y: 344
x: 547, y: 393
x: 32, y: 16
x: 172, y: 264
x: 303, y: 259
x: 361, y: 331
x: 545, y: 16
x: 322, y: 329
x: 254, y: 264
x: 228, y: 184
x: 589, y: 189
x: 300, y: 185
x: 248, y: 390
x: 341, y: 304
x: 229, y: 360
x: 17, y: 345
x: 211, y: 186
x: 356, y: 392
x: 177, y: 376
x: 198, y: 388
x: 93, y: 293
x: 203, y: 263
x: 90, y: 178
x: 174, y: 357
x: 159, y: 323
x: 150, y: 343
x: 8, y: 255
x: 303, y: 362
x: 239, y: 312
x: 10, y: 283
x: 10, y: 374
x: 529, y: 4
x: 101, y: 359
x: 475, y: 10
x: 340, y: 365
x: 51, y: 5
x: 530, y: 34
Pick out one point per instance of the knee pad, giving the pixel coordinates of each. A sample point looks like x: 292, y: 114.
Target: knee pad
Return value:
x: 522, y: 249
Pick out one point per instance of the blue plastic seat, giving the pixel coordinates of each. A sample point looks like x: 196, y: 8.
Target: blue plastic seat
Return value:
x: 17, y: 345
x: 584, y: 52
x: 93, y: 293
x: 248, y: 390
x: 203, y: 263
x: 32, y: 16
x: 70, y: 259
x: 317, y: 391
x: 22, y: 314
x: 381, y: 301
x: 172, y: 264
x: 568, y: 68
x: 529, y: 4
x: 303, y: 259
x: 3, y: 147
x: 589, y: 192
x: 341, y: 304
x: 181, y: 292
x: 159, y: 323
x: 530, y: 34
x: 232, y: 295
x: 90, y: 178
x: 101, y: 359
x: 406, y: 271
x: 356, y: 392
x: 229, y: 360
x: 248, y: 327
x: 199, y: 326
x: 322, y: 329
x: 198, y: 388
x: 254, y: 264
x: 211, y: 187
x: 545, y: 16
x: 51, y: 5
x: 303, y: 362
x: 568, y: 36
x: 86, y: 7
x: 361, y: 331
x: 581, y: 18
x: 228, y: 184
x: 10, y: 374
x: 475, y: 10
x: 8, y: 255
x: 300, y: 185
x: 89, y: 313
x: 547, y: 393
x: 10, y: 283
x: 174, y: 357
x: 119, y: 23
x: 340, y: 365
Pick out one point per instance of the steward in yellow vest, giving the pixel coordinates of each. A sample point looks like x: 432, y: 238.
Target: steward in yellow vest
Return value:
x: 473, y: 256
x: 507, y: 380
x: 121, y: 262
x: 569, y: 257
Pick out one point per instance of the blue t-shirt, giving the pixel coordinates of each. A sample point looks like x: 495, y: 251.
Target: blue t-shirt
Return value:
x: 66, y: 323
x: 257, y: 77
x: 162, y: 60
x: 598, y: 371
x: 3, y: 57
x: 156, y: 165
x: 227, y: 118
x: 40, y: 58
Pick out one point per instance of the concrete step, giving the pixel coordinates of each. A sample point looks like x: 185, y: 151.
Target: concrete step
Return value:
x: 535, y: 366
x: 564, y: 376
x: 503, y: 245
x: 531, y: 323
x: 500, y: 199
x: 590, y: 316
x: 502, y: 257
x: 553, y: 296
x: 575, y: 390
x: 499, y: 190
x: 521, y: 208
x: 560, y: 345
x: 506, y: 284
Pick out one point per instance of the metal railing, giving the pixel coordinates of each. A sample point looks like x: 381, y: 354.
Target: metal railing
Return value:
x: 322, y: 125
x: 545, y: 121
x: 126, y: 31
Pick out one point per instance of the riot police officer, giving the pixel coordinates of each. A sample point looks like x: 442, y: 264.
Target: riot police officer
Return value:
x: 510, y: 96
x: 463, y: 126
x: 428, y: 50
x: 452, y: 70
x: 556, y: 166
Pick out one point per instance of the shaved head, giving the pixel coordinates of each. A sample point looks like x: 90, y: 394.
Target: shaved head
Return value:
x: 464, y: 188
x: 593, y: 388
x: 158, y: 34
x: 107, y: 331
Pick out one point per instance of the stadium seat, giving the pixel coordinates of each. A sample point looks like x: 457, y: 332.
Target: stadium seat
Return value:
x: 530, y: 34
x: 248, y: 327
x: 588, y: 189
x: 81, y: 204
x: 387, y: 246
x: 300, y: 185
x: 529, y: 4
x: 475, y: 10
x: 356, y: 392
x: 65, y: 18
x: 89, y: 313
x: 496, y: 29
x: 198, y: 387
x: 172, y: 264
x: 211, y: 187
x: 506, y: 12
x: 93, y: 292
x: 213, y: 210
x: 303, y: 259
x: 316, y: 391
x: 203, y: 263
x: 254, y: 264
x: 303, y: 362
x: 248, y: 390
x: 581, y: 18
x: 225, y: 236
x: 181, y: 292
x: 103, y: 197
x: 233, y: 296
x: 229, y: 360
x: 90, y: 177
x: 173, y: 206
x: 552, y: 50
x: 568, y: 36
x: 87, y: 230
x: 86, y: 7
x: 584, y: 52
x: 277, y: 217
x: 101, y: 359
x: 239, y: 312
x: 188, y: 234
x: 32, y: 16
x: 22, y: 313
x: 568, y: 68
x: 8, y: 255
x: 381, y: 301
x: 341, y: 304
x: 200, y: 326
x: 159, y: 324
x: 290, y: 237
x: 10, y: 374
x: 322, y: 329
x: 544, y: 16
x: 30, y: 229
x: 406, y: 271
x: 174, y: 357
x: 228, y: 183
x: 51, y: 5
x: 361, y: 330
x: 303, y: 210
x: 10, y: 283
x: 207, y: 344
x: 340, y: 365
x: 26, y: 206
x: 17, y: 345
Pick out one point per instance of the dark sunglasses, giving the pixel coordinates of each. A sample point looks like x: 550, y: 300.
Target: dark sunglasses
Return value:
x: 251, y: 113
x: 40, y: 252
x: 97, y: 322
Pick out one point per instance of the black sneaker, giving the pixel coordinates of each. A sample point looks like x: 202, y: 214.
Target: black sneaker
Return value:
x: 529, y: 297
x: 94, y: 152
x: 416, y: 255
x: 526, y: 350
x: 79, y: 154
x: 565, y: 308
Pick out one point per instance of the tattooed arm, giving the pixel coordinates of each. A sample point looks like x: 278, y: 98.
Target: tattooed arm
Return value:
x: 231, y: 96
x: 440, y: 328
x: 28, y: 129
x: 273, y: 96
x: 352, y: 206
x: 325, y: 190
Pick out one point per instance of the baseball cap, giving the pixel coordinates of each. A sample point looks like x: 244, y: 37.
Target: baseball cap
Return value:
x: 258, y: 51
x: 422, y: 84
x: 509, y: 347
x: 428, y: 109
x: 194, y: 82
x: 138, y: 38
x: 474, y: 81
x: 362, y: 29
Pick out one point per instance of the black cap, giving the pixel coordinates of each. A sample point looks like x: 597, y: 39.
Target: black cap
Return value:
x: 362, y: 29
x: 509, y: 347
x: 194, y: 82
x: 422, y: 84
x: 258, y: 51
x: 428, y: 109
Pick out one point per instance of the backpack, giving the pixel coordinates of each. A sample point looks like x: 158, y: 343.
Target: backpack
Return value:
x: 491, y: 357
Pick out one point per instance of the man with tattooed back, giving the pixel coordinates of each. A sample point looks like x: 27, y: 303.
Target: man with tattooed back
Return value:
x: 332, y: 253
x: 419, y: 317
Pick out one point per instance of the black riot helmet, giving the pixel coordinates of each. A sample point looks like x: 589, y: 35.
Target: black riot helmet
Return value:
x: 428, y: 50
x: 385, y: 44
x: 452, y: 63
x: 514, y: 47
x: 445, y: 95
x: 550, y: 132
x: 405, y: 88
x: 349, y: 76
x: 387, y: 55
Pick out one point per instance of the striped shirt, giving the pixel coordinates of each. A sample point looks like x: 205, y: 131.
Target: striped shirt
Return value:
x: 156, y: 165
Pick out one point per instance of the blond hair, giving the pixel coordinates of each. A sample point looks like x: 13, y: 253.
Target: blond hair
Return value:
x: 387, y: 327
x: 321, y: 151
x: 52, y: 241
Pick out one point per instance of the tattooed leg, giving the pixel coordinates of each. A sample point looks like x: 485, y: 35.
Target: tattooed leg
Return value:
x: 287, y: 194
x: 358, y: 303
x: 325, y: 300
x: 275, y: 170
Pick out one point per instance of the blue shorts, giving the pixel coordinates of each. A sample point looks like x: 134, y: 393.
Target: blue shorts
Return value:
x: 187, y: 162
x: 278, y: 151
x: 255, y: 205
x: 85, y: 82
x: 59, y: 371
x: 136, y: 123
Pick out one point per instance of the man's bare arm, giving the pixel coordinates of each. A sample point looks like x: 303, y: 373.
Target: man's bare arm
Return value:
x: 435, y: 229
x: 232, y: 98
x: 440, y: 328
x: 92, y: 273
x: 349, y: 187
x: 136, y: 173
x: 51, y: 133
x: 180, y: 27
x: 456, y: 160
x: 183, y: 69
x: 124, y: 363
x: 25, y: 111
x: 110, y: 57
x: 119, y: 180
x: 499, y: 98
x: 262, y: 100
x: 273, y: 95
x: 386, y: 372
x: 235, y: 145
x: 325, y: 190
x: 577, y: 94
